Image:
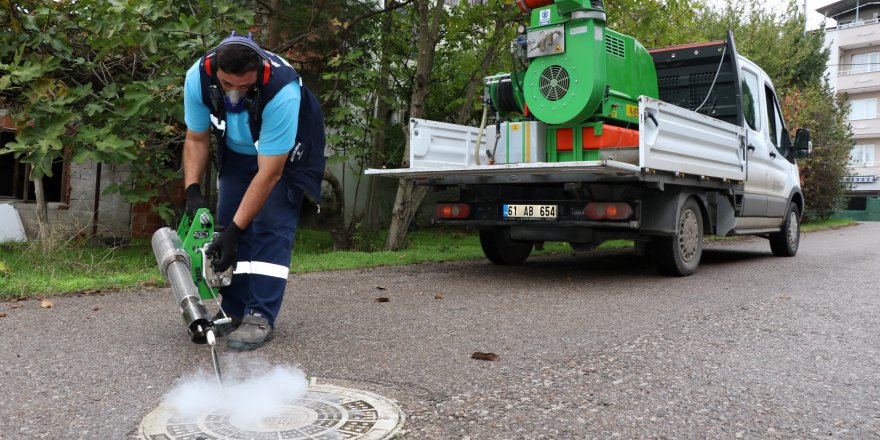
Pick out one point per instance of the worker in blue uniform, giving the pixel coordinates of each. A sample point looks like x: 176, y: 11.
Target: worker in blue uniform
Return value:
x: 270, y: 152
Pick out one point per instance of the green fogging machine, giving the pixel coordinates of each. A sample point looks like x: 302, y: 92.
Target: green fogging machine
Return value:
x: 185, y: 264
x: 573, y: 74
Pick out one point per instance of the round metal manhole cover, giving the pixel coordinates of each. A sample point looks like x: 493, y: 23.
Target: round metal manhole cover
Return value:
x: 325, y: 412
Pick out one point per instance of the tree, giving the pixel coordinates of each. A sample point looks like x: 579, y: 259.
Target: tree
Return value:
x: 408, y: 195
x: 655, y: 23
x: 102, y: 81
x: 473, y: 36
x: 824, y: 112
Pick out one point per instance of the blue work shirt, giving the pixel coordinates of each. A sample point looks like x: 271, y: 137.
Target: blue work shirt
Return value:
x: 279, y: 125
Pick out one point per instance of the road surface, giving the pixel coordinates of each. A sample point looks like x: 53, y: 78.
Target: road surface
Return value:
x: 592, y: 345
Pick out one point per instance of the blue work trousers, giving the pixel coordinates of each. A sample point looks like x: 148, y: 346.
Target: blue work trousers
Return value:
x: 265, y: 247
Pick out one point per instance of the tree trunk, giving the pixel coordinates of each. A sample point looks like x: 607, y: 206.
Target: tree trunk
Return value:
x: 339, y: 235
x: 274, y: 30
x: 42, y: 212
x: 407, y: 201
x: 383, y: 116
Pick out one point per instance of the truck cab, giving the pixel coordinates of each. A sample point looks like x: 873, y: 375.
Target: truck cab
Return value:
x: 737, y: 91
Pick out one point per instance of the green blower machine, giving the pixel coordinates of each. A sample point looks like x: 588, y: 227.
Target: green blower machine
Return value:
x: 576, y: 76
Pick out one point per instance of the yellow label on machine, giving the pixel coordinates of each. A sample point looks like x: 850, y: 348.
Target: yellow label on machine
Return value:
x: 514, y: 127
x: 632, y: 111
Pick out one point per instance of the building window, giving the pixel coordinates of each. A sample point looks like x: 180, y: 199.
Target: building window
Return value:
x: 865, y: 62
x: 863, y: 109
x: 751, y: 106
x: 15, y: 182
x: 861, y: 156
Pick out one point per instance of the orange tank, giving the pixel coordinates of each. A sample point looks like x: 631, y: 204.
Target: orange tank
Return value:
x: 611, y: 137
x: 527, y: 5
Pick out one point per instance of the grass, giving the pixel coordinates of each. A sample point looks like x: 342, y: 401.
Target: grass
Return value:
x: 29, y: 270
x: 26, y: 269
x: 313, y: 252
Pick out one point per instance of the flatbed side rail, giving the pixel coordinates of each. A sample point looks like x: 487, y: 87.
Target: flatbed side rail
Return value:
x: 678, y: 140
x: 525, y: 169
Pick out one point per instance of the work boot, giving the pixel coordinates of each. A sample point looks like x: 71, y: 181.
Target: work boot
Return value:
x: 221, y: 330
x: 252, y: 334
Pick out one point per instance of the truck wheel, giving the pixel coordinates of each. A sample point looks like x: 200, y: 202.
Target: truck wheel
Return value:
x: 679, y: 254
x: 499, y: 248
x: 785, y: 242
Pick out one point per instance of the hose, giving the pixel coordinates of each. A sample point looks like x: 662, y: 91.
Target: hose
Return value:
x: 720, y: 64
x: 504, y: 100
x: 480, y: 133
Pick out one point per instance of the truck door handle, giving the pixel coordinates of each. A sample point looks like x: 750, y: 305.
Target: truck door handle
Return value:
x: 751, y: 148
x: 773, y: 155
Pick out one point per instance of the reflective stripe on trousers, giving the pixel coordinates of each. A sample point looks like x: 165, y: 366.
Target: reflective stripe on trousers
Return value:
x: 265, y: 246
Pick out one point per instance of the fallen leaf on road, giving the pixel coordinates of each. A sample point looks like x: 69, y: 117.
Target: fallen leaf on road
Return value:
x: 96, y: 309
x: 46, y: 304
x: 91, y: 291
x: 149, y: 283
x: 14, y: 306
x: 381, y: 288
x: 438, y: 296
x: 382, y: 299
x: 479, y: 355
x: 2, y: 315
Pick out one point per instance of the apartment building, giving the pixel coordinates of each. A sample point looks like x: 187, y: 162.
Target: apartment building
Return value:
x: 854, y: 70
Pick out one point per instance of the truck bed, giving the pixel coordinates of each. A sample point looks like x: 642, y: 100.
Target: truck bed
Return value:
x: 672, y: 140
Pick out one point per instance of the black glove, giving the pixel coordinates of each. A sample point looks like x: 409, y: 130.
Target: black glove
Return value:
x: 195, y: 200
x: 224, y: 248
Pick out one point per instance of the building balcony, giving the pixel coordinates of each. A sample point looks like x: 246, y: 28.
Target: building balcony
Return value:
x: 859, y: 34
x: 865, y: 128
x: 859, y: 81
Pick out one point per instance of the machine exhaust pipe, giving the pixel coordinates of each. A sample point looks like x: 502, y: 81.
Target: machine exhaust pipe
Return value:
x: 174, y: 263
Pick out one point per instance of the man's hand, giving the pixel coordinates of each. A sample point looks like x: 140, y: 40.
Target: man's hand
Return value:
x: 195, y: 200
x: 224, y: 249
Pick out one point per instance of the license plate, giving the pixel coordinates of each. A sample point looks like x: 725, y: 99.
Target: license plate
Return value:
x: 530, y: 211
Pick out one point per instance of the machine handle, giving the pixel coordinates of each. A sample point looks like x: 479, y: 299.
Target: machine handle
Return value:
x: 773, y: 155
x: 751, y: 148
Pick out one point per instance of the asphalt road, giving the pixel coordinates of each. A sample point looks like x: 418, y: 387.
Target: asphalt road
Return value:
x: 595, y: 345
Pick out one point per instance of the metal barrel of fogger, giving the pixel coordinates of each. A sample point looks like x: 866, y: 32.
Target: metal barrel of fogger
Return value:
x: 175, y: 266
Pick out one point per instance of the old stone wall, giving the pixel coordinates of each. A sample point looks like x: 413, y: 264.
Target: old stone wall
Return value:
x: 75, y: 217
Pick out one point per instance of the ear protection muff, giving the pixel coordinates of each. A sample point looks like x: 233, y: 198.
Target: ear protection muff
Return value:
x: 264, y: 72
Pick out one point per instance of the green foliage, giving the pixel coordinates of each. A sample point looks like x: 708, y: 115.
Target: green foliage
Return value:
x: 818, y: 108
x: 469, y: 32
x: 102, y: 81
x: 655, y: 23
x: 775, y: 41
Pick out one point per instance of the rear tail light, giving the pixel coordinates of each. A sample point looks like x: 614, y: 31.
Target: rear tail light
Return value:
x: 608, y: 211
x: 453, y: 210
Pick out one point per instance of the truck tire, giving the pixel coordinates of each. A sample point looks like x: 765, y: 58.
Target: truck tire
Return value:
x: 679, y: 254
x: 785, y: 242
x: 499, y: 248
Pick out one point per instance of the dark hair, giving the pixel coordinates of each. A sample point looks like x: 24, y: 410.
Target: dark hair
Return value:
x: 237, y: 59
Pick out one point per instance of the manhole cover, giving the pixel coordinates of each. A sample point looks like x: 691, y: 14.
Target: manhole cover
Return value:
x: 326, y: 412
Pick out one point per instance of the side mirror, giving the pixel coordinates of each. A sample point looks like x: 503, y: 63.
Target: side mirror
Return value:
x: 803, y: 146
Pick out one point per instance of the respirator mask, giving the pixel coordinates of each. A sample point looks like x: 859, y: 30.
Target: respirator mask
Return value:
x: 235, y: 101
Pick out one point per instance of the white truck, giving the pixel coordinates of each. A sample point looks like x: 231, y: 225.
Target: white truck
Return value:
x: 728, y: 170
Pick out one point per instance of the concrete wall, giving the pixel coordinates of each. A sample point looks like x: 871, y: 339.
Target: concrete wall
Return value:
x: 75, y: 217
